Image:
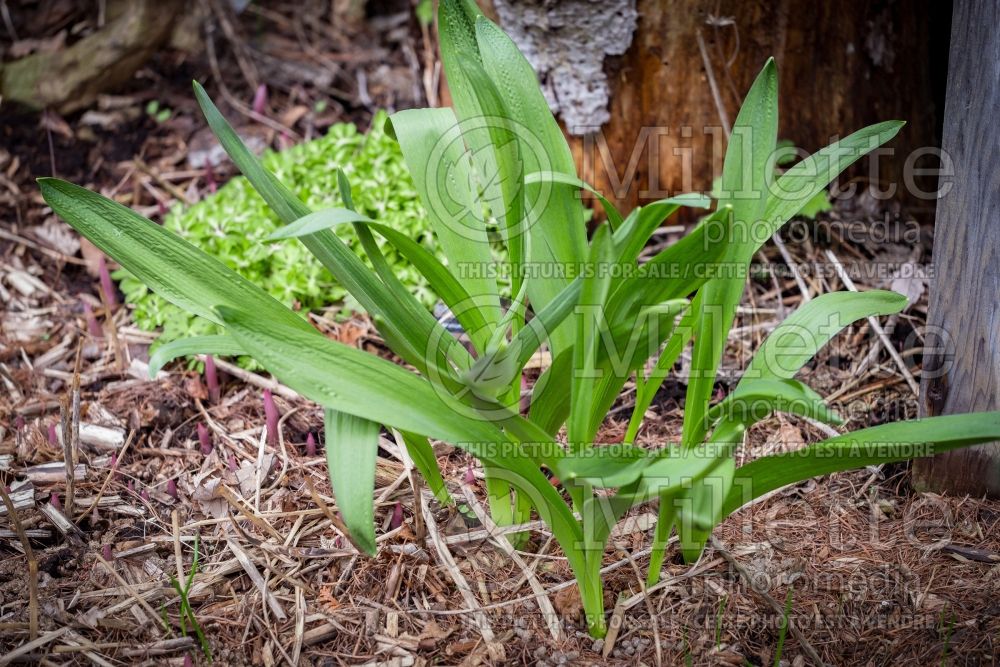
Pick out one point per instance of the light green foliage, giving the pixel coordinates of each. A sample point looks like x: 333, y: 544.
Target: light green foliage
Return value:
x: 233, y: 224
x: 603, y: 316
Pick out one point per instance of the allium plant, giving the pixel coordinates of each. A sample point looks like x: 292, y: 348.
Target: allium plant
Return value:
x: 499, y: 158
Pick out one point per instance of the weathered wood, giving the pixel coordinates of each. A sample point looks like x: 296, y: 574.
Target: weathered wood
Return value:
x: 962, y: 363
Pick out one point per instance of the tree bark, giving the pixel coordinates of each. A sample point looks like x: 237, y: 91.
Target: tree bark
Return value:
x: 962, y: 353
x: 842, y: 65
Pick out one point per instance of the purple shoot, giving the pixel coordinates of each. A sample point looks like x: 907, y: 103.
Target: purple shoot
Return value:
x: 93, y: 326
x: 470, y: 477
x: 188, y: 662
x: 54, y: 501
x: 270, y: 417
x: 19, y: 423
x: 397, y: 516
x: 161, y: 208
x: 53, y: 435
x: 95, y: 516
x: 172, y: 488
x: 231, y: 461
x: 106, y: 553
x: 145, y: 495
x: 107, y: 286
x: 310, y: 445
x: 131, y: 486
x: 204, y: 439
x: 212, y: 379
x: 260, y: 99
x: 210, y: 179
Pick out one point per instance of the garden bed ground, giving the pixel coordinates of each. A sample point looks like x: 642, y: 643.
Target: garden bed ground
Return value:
x: 876, y: 573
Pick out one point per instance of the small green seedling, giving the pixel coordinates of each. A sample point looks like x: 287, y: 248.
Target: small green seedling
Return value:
x: 187, y: 616
x: 158, y: 113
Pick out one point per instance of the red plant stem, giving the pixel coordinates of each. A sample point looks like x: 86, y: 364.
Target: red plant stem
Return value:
x: 54, y: 501
x: 107, y: 286
x: 106, y: 553
x: 204, y: 439
x: 231, y: 462
x: 210, y: 179
x: 212, y: 380
x: 310, y: 445
x: 93, y: 326
x: 270, y: 417
x: 397, y: 516
x: 172, y: 488
x: 53, y: 435
x: 260, y: 99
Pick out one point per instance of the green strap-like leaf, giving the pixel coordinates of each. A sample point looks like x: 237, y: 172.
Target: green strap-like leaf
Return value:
x: 433, y: 145
x: 444, y: 284
x: 745, y: 186
x: 317, y: 222
x: 756, y: 400
x: 801, y: 335
x: 420, y: 450
x: 634, y: 233
x: 589, y: 329
x: 351, y: 453
x: 614, y: 217
x: 353, y: 381
x: 554, y: 215
x: 500, y: 165
x: 887, y: 443
x: 225, y: 346
x: 646, y: 390
x: 169, y: 265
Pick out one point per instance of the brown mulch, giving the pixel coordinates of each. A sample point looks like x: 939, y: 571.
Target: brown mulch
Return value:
x: 874, y: 573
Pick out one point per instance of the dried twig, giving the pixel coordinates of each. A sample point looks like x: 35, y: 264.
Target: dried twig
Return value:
x: 28, y: 647
x: 876, y: 327
x: 716, y: 96
x: 111, y: 473
x: 257, y: 579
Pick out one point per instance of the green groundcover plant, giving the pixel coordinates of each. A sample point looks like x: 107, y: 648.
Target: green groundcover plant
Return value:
x: 233, y: 224
x: 603, y: 316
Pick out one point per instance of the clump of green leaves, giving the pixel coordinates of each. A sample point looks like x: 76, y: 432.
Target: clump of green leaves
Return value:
x: 234, y: 223
x: 603, y: 316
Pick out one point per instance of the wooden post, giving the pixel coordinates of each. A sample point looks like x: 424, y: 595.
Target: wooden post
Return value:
x: 962, y: 364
